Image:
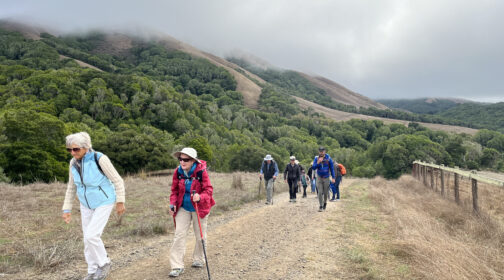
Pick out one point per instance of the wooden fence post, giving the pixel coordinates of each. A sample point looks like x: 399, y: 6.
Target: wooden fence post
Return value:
x: 475, y: 195
x: 424, y: 175
x: 432, y: 177
x: 442, y: 181
x: 456, y: 188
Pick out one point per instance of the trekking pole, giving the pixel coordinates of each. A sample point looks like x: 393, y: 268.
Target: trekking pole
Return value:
x: 273, y: 191
x: 201, y: 234
x: 260, y: 185
x: 173, y: 216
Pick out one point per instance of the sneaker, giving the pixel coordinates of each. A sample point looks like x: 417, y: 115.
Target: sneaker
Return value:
x: 102, y: 272
x: 294, y: 200
x: 337, y: 199
x: 325, y: 204
x: 332, y: 199
x: 197, y: 264
x: 321, y: 209
x: 89, y: 276
x: 267, y: 203
x: 176, y: 272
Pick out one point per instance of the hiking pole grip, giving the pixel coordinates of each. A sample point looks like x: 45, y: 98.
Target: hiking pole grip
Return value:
x: 201, y: 234
x: 174, y: 221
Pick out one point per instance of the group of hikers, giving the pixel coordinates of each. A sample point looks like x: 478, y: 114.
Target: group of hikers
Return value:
x: 319, y: 173
x: 99, y: 188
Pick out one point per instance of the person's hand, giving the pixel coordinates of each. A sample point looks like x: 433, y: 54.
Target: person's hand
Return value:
x: 320, y: 159
x: 67, y: 217
x: 196, y: 197
x: 274, y: 177
x: 260, y: 176
x: 285, y: 181
x: 333, y: 180
x: 172, y: 210
x: 120, y: 208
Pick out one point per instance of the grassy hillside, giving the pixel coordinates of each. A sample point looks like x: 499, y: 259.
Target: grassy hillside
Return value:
x: 147, y: 101
x: 480, y: 115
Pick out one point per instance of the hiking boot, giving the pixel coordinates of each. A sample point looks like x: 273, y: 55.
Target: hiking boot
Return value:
x: 321, y: 209
x: 102, y: 272
x: 197, y: 264
x: 267, y: 203
x: 89, y: 276
x: 176, y: 272
x: 325, y: 204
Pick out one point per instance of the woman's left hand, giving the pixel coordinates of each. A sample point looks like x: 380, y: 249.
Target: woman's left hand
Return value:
x: 120, y: 208
x: 196, y: 197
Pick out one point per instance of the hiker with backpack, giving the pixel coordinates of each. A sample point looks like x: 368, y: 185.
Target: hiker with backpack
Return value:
x: 303, y: 178
x: 292, y: 174
x: 269, y: 169
x: 191, y: 194
x: 340, y: 172
x: 98, y: 186
x: 325, y: 167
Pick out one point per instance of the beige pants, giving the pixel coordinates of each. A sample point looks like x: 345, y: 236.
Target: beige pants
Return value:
x: 177, y: 252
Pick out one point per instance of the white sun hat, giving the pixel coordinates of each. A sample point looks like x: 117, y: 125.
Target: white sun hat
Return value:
x: 268, y: 157
x: 189, y: 152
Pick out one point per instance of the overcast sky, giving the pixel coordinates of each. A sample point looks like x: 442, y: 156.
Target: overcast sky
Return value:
x: 381, y: 49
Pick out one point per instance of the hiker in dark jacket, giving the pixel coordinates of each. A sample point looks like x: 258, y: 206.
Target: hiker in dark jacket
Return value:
x: 292, y: 174
x: 269, y: 169
x: 325, y: 167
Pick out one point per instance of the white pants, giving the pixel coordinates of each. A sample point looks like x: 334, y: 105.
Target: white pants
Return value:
x: 93, y: 224
x: 177, y: 252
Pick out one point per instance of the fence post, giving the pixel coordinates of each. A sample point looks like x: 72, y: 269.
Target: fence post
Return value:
x: 432, y: 177
x: 456, y: 188
x: 424, y: 175
x: 475, y: 195
x: 442, y: 181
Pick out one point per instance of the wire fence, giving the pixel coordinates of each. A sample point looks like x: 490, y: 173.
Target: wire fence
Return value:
x: 473, y: 191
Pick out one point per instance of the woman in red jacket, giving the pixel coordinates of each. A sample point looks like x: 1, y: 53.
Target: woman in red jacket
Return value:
x: 190, y: 175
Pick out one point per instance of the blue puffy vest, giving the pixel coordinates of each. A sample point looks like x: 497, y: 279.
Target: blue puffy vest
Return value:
x: 94, y: 189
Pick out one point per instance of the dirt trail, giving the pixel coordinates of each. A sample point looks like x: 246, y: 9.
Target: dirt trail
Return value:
x: 282, y: 241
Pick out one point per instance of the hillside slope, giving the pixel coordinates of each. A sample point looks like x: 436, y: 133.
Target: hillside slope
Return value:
x: 341, y: 94
x: 345, y: 116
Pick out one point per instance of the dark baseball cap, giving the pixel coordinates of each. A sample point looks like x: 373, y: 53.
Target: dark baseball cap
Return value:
x: 321, y: 149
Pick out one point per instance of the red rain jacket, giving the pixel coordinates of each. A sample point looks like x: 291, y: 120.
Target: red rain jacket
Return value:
x: 204, y: 189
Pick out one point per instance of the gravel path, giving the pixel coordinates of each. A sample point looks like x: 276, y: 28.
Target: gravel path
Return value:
x: 280, y: 241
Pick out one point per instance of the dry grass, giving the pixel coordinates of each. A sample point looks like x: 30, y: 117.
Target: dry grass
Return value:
x: 439, y: 239
x: 33, y: 235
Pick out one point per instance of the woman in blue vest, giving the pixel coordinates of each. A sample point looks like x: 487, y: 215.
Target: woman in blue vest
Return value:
x: 98, y: 186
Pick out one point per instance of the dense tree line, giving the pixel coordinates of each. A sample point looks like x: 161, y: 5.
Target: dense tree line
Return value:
x: 151, y: 101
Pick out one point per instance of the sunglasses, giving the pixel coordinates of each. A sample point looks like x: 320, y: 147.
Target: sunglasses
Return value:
x: 184, y: 159
x: 73, y: 149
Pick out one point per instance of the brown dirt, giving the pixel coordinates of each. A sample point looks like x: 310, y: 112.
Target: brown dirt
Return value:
x: 344, y: 116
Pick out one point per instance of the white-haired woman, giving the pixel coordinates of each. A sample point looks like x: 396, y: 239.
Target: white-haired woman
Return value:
x: 98, y: 186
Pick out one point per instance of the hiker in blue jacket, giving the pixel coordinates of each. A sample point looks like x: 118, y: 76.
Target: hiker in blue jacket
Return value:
x: 325, y: 167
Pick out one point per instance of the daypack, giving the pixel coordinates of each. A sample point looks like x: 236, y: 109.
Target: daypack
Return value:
x: 342, y: 169
x: 199, y: 175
